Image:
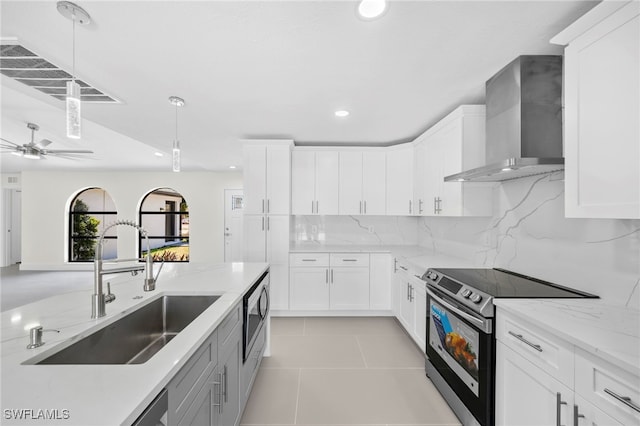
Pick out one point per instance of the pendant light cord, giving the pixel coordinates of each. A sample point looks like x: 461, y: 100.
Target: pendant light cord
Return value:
x: 73, y: 66
x: 176, y: 121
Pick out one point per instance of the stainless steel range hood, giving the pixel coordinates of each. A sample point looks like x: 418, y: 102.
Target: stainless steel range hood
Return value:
x: 524, y: 121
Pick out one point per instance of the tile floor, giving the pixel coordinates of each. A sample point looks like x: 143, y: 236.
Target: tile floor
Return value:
x: 343, y: 371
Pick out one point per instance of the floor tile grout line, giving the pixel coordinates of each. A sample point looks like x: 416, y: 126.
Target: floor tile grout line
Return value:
x: 295, y: 417
x: 364, y: 359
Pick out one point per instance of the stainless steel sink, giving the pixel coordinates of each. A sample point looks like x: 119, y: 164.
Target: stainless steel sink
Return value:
x: 136, y: 337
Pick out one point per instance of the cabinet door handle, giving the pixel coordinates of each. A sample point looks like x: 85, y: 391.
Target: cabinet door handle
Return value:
x: 268, y: 222
x: 559, y: 404
x: 403, y: 268
x: 263, y: 205
x: 576, y: 416
x: 360, y: 207
x: 326, y: 276
x: 420, y: 202
x: 332, y: 276
x: 317, y: 207
x: 263, y: 223
x: 224, y: 384
x: 365, y: 206
x: 268, y: 208
x: 408, y: 291
x: 395, y: 264
x: 624, y: 399
x: 410, y: 206
x: 312, y: 207
x: 523, y: 340
x: 218, y: 395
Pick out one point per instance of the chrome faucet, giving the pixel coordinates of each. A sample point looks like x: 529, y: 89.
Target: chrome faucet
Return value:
x: 99, y: 299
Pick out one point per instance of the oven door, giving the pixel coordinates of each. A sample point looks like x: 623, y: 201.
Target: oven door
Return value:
x: 460, y: 347
x: 256, y: 309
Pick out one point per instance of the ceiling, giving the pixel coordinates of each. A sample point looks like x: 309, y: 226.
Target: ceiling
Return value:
x: 262, y: 69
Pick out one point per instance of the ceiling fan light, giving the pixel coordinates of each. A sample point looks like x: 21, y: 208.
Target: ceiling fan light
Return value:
x: 32, y: 155
x: 18, y: 153
x: 176, y: 156
x: 73, y: 110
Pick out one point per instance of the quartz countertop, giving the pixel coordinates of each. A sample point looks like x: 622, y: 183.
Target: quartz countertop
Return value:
x: 108, y: 394
x: 416, y: 258
x: 610, y: 332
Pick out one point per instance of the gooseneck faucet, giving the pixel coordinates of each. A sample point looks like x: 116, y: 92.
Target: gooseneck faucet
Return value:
x: 99, y: 299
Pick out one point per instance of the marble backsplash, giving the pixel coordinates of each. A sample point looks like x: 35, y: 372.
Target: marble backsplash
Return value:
x: 354, y: 230
x: 528, y: 233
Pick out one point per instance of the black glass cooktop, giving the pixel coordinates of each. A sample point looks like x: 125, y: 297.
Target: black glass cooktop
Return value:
x: 501, y: 283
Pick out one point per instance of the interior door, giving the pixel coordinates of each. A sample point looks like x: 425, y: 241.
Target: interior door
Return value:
x: 233, y: 209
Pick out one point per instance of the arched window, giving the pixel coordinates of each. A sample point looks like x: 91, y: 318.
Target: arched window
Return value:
x: 90, y: 212
x: 164, y: 214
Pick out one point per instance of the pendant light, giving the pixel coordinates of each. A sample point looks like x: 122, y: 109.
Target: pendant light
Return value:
x: 73, y: 117
x: 177, y: 102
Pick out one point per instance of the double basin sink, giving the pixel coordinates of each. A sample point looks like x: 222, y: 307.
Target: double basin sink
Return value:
x: 136, y: 337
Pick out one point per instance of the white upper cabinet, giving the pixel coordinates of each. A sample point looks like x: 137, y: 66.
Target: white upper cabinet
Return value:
x: 602, y: 113
x: 314, y: 186
x: 267, y: 177
x: 454, y: 144
x: 400, y: 181
x: 362, y: 183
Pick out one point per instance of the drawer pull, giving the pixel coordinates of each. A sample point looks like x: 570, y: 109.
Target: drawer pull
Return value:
x: 309, y: 260
x: 559, y: 404
x: 349, y: 260
x: 523, y: 340
x: 577, y: 416
x: 624, y: 399
x: 403, y: 267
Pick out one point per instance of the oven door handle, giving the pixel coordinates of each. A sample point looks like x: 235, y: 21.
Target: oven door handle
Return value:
x: 482, y: 324
x: 263, y: 315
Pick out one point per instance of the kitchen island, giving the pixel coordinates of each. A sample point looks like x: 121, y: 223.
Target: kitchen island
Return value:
x: 108, y: 394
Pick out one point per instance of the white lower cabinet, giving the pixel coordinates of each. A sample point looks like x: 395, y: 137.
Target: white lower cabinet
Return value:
x: 543, y: 380
x: 335, y: 281
x: 410, y: 303
x: 380, y: 281
x: 526, y: 395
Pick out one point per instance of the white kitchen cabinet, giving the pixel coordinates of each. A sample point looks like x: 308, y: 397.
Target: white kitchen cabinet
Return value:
x: 400, y: 181
x: 540, y: 376
x: 362, y: 182
x: 380, y: 281
x: 526, y: 395
x: 309, y: 288
x: 267, y: 183
x: 335, y: 281
x: 349, y: 289
x: 456, y: 143
x: 230, y: 354
x: 602, y: 112
x: 410, y: 303
x: 588, y: 415
x: 315, y: 182
x: 267, y: 177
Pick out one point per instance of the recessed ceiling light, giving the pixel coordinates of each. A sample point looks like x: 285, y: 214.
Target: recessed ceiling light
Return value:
x: 158, y: 154
x: 232, y: 167
x: 371, y: 9
x: 341, y: 113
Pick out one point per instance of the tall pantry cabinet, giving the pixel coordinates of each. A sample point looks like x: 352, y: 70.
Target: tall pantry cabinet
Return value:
x: 267, y: 205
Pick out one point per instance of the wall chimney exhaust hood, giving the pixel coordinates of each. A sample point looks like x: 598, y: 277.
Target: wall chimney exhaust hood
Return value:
x: 524, y: 121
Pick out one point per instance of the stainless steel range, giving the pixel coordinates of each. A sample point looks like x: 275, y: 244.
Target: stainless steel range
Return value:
x: 460, y: 335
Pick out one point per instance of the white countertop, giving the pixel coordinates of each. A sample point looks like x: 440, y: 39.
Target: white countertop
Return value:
x: 610, y: 332
x: 418, y: 259
x: 109, y: 394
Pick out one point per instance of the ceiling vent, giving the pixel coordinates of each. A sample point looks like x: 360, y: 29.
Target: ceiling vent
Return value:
x: 23, y: 65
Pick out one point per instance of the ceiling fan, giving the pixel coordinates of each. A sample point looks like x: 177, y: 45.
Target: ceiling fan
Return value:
x: 37, y: 150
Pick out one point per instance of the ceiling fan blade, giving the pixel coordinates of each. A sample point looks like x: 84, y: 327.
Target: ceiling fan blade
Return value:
x: 12, y: 143
x: 72, y: 157
x: 42, y: 143
x: 67, y: 151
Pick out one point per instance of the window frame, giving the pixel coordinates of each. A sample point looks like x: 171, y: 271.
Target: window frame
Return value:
x: 71, y: 214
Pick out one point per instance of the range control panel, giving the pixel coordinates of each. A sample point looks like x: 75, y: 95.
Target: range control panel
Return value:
x: 468, y: 296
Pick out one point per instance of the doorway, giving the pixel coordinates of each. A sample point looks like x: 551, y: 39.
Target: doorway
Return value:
x: 233, y: 209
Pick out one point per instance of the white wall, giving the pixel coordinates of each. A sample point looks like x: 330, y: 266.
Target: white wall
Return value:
x: 529, y: 234
x: 46, y: 197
